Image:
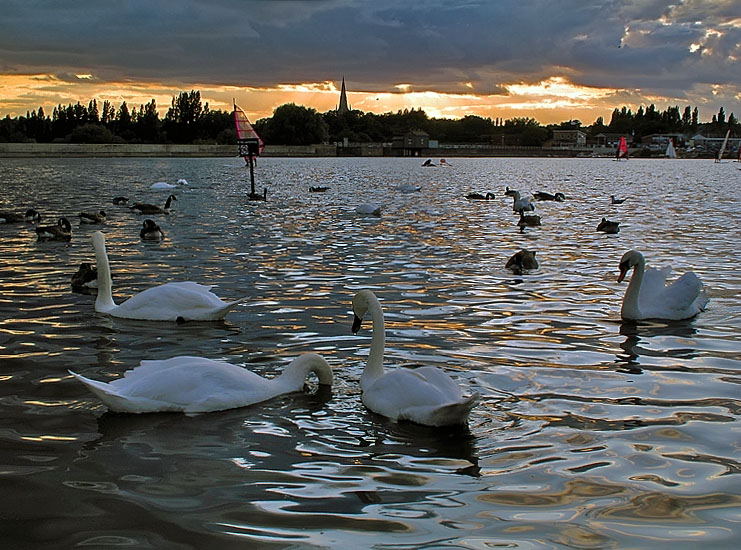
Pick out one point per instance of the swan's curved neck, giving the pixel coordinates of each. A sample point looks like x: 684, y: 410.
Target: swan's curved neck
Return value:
x: 374, y: 366
x: 104, y: 301
x: 294, y: 376
x: 630, y: 308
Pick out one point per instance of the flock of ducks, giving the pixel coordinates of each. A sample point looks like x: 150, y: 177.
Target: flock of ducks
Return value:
x: 424, y: 395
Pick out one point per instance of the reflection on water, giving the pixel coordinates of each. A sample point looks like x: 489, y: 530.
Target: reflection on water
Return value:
x: 591, y: 432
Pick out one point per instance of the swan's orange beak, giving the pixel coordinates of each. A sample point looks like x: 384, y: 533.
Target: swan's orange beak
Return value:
x: 624, y: 267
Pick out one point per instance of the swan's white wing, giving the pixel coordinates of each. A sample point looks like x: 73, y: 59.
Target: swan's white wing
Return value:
x: 188, y: 384
x: 168, y: 302
x: 654, y: 281
x: 417, y: 395
x: 686, y: 294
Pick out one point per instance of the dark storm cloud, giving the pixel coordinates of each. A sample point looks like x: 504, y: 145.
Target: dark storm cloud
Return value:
x: 433, y: 45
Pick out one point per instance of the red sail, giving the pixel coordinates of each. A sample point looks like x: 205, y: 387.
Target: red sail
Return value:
x: 245, y: 129
x: 622, y: 151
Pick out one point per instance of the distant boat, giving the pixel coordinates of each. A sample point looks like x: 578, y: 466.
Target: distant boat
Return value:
x: 622, y: 150
x: 723, y: 147
x: 670, y: 152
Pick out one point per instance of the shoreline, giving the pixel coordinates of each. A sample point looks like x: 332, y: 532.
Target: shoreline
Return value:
x: 113, y: 150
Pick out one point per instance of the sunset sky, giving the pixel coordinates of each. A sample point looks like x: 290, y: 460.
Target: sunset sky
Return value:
x: 552, y: 60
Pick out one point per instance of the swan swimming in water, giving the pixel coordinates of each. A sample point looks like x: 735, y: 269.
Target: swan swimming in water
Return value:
x: 197, y: 385
x: 649, y: 297
x: 425, y: 395
x: 186, y: 301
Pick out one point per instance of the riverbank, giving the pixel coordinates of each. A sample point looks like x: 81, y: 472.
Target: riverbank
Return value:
x: 92, y: 150
x: 15, y: 150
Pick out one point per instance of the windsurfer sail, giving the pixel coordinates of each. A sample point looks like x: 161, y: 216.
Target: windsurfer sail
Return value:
x: 723, y: 147
x: 670, y: 152
x: 250, y: 147
x: 622, y: 150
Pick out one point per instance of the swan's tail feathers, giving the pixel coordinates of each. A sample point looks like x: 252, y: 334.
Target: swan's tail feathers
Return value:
x: 455, y: 413
x: 102, y: 390
x: 110, y: 398
x: 226, y: 308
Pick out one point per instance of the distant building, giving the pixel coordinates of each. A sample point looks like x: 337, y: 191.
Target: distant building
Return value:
x: 611, y: 140
x: 411, y: 143
x: 569, y: 138
x: 343, y: 107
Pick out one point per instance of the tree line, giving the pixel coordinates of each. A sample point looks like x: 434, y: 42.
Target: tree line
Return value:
x: 189, y: 120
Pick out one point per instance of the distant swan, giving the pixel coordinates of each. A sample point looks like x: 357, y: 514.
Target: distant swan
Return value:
x: 145, y: 208
x: 186, y: 301
x: 649, y: 297
x: 318, y: 189
x: 613, y: 200
x: 521, y: 204
x: 425, y: 395
x: 92, y: 217
x: 151, y: 231
x: 60, y: 232
x: 197, y: 385
x: 607, y: 226
x: 162, y: 185
x: 368, y: 209
x: 510, y: 192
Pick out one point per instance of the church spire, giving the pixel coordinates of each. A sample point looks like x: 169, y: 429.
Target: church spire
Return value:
x: 343, y: 106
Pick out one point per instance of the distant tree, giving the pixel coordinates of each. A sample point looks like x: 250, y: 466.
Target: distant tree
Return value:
x: 181, y: 120
x: 292, y: 124
x: 93, y: 133
x: 721, y: 116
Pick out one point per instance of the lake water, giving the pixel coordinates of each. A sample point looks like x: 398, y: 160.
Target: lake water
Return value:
x: 589, y: 433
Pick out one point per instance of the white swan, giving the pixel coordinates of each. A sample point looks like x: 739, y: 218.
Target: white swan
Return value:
x: 186, y: 301
x: 521, y: 204
x: 649, y: 297
x: 196, y: 385
x: 425, y: 395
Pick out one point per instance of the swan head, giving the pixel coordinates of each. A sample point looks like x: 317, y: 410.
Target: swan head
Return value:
x: 98, y: 239
x: 360, y: 304
x: 630, y: 259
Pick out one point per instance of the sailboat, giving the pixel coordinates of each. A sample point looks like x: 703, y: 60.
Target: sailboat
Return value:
x: 250, y: 147
x: 723, y: 147
x: 622, y: 150
x: 670, y: 152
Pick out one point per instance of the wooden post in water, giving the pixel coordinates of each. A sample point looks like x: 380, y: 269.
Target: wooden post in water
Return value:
x: 249, y: 149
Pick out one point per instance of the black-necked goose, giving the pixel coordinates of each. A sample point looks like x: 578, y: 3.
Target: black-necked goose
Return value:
x: 145, y: 208
x: 62, y: 231
x: 151, y: 231
x: 92, y: 217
